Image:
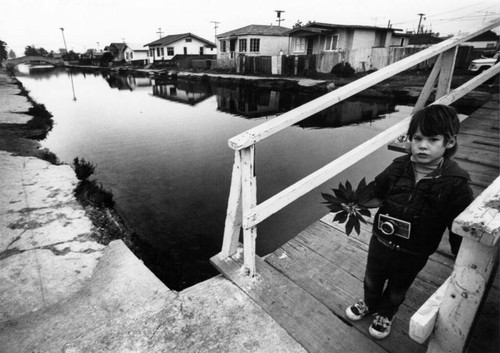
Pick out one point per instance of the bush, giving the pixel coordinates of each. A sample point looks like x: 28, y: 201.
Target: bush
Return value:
x: 83, y: 169
x: 93, y: 193
x: 343, y: 69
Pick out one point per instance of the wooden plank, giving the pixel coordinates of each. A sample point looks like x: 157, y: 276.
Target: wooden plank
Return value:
x: 423, y: 321
x: 446, y: 73
x: 477, y: 156
x: 248, y: 202
x: 429, y: 85
x: 338, y: 288
x: 305, y: 318
x: 481, y: 219
x: 232, y: 226
x: 463, y: 296
x: 287, y: 119
x: 315, y: 179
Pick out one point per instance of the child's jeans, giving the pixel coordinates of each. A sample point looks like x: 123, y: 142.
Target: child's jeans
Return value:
x: 397, y: 268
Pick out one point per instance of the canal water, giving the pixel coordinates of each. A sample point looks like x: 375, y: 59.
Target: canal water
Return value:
x: 161, y: 149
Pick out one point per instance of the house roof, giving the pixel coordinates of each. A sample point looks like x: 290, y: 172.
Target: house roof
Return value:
x: 320, y: 27
x: 424, y: 38
x: 262, y: 30
x: 176, y: 37
x: 484, y: 37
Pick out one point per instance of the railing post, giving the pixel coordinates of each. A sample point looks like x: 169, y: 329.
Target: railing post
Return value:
x: 479, y: 225
x: 249, y: 201
x: 232, y: 225
x: 446, y: 73
x: 429, y: 85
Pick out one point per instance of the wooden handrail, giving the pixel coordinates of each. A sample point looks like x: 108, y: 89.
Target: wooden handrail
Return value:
x: 287, y: 119
x: 243, y: 211
x: 303, y: 186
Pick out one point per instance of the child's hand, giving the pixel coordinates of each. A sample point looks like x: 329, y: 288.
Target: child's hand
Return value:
x: 351, y: 205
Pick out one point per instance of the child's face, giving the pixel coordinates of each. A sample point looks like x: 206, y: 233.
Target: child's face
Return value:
x: 429, y: 149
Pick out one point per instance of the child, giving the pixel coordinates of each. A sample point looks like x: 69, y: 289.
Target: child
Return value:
x: 421, y: 194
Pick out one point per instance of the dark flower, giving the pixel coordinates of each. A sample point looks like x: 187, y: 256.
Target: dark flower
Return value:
x: 351, y: 205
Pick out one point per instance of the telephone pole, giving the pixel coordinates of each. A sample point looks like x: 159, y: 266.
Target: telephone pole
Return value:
x: 216, y: 25
x: 419, y: 29
x: 159, y: 32
x: 279, y: 12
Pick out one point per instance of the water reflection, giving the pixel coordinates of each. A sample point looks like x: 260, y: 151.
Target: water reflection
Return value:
x: 169, y: 166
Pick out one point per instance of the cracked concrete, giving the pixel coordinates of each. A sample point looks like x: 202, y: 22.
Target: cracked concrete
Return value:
x: 61, y: 291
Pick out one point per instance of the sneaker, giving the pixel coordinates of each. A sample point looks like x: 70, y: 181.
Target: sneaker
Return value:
x: 380, y: 327
x: 357, y: 311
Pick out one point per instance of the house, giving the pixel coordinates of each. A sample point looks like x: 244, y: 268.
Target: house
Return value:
x: 253, y: 40
x: 317, y: 38
x: 165, y: 48
x: 400, y: 39
x: 138, y: 56
x: 120, y: 51
x: 486, y: 40
x: 424, y: 39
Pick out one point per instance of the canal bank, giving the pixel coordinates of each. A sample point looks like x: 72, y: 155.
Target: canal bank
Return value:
x: 62, y: 290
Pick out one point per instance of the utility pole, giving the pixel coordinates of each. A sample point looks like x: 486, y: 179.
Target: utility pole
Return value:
x: 159, y: 31
x: 419, y: 29
x: 64, y: 40
x: 216, y: 25
x: 278, y: 12
x: 97, y: 46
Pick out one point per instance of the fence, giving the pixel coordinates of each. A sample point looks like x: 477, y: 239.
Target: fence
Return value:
x: 361, y: 60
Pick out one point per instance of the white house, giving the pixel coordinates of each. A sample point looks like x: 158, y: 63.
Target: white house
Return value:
x: 169, y: 46
x: 120, y: 51
x: 316, y: 38
x: 486, y: 40
x: 253, y: 40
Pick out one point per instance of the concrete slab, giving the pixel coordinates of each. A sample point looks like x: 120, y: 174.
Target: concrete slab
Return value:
x: 125, y: 308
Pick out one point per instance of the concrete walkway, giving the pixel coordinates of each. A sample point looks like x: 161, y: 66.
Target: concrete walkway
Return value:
x: 62, y: 291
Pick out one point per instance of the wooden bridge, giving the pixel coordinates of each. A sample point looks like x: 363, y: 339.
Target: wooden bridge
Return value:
x: 308, y: 282
x: 34, y: 59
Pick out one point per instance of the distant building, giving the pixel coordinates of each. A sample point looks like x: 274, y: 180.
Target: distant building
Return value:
x: 165, y: 48
x: 253, y: 40
x: 317, y: 38
x: 120, y: 51
x: 486, y: 40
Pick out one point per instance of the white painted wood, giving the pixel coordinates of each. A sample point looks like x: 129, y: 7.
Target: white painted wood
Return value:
x: 423, y: 321
x: 463, y: 296
x: 305, y: 185
x: 481, y: 220
x: 446, y: 73
x: 277, y: 124
x: 232, y: 226
x: 429, y: 85
x: 249, y: 201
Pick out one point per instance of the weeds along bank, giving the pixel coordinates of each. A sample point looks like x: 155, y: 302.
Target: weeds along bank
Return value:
x: 22, y: 138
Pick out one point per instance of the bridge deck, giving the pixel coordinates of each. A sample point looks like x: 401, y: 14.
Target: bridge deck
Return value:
x: 307, y: 283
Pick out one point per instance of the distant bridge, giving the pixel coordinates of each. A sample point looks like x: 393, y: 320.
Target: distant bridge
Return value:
x: 31, y: 59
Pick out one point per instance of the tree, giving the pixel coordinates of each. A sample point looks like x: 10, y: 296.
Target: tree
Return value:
x: 30, y: 51
x: 3, y: 50
x: 12, y: 54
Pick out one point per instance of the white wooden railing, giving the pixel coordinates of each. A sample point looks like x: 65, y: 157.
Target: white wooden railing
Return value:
x: 243, y: 212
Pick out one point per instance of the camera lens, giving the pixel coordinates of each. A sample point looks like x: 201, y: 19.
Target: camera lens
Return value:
x: 387, y: 228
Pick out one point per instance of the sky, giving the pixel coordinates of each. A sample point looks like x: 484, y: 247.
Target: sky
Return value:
x: 93, y: 24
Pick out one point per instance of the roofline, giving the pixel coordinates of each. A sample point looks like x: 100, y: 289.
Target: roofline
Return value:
x: 333, y: 25
x: 177, y: 38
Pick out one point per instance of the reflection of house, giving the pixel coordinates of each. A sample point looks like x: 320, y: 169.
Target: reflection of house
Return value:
x: 167, y: 47
x: 348, y: 112
x: 248, y: 102
x: 316, y: 38
x: 253, y: 40
x: 190, y: 93
x: 126, y: 82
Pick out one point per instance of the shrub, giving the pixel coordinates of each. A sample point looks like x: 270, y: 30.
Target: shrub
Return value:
x: 343, y: 69
x: 83, y: 169
x: 93, y: 193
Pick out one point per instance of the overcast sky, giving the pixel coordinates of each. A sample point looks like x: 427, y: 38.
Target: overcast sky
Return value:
x: 89, y: 22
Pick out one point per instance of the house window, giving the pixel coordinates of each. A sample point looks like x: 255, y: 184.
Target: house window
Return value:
x: 254, y: 44
x: 188, y: 40
x: 152, y: 52
x: 162, y: 51
x: 131, y: 56
x: 300, y: 44
x: 243, y: 45
x: 331, y: 42
x: 158, y: 52
x: 170, y: 51
x: 223, y: 46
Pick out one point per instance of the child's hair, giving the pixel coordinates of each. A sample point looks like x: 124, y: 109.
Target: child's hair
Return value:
x: 434, y: 120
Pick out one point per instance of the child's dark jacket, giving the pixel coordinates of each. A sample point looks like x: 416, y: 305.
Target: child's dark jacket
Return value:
x: 430, y: 205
